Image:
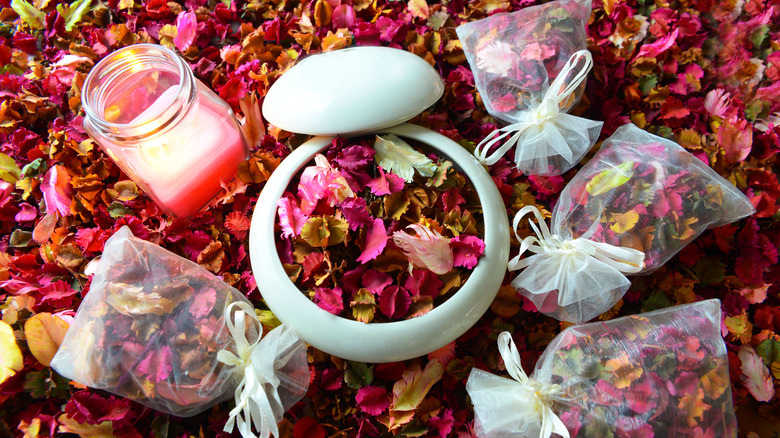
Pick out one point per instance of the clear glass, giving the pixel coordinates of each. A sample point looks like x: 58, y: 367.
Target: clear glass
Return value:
x: 170, y: 133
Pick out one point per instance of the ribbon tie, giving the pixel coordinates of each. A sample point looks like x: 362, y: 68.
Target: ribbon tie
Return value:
x: 625, y: 260
x: 547, y: 109
x: 543, y: 393
x: 253, y: 405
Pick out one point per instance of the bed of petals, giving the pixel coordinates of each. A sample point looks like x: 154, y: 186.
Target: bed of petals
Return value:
x: 703, y: 73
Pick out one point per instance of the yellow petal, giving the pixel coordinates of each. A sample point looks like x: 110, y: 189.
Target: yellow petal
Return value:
x: 624, y: 222
x: 10, y: 356
x: 85, y: 430
x: 44, y: 333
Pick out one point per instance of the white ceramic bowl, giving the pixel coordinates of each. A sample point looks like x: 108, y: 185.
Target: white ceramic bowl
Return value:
x: 390, y: 341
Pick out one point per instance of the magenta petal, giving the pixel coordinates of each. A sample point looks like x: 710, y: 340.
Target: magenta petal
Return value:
x: 330, y: 300
x: 291, y: 218
x: 394, y: 302
x: 356, y: 213
x: 467, y: 250
x: 423, y: 282
x: 372, y: 400
x: 56, y: 190
x: 376, y: 281
x: 157, y: 364
x: 26, y: 214
x: 186, y: 27
x: 343, y: 16
x: 375, y: 242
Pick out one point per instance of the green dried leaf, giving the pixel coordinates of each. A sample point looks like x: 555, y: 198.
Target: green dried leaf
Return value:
x: 657, y: 300
x: 754, y: 110
x: 759, y: 36
x: 769, y: 351
x: 647, y: 83
x: 117, y: 210
x: 460, y: 222
x: 34, y: 18
x: 439, y: 179
x: 74, y: 12
x: 358, y: 374
x: 609, y: 179
x: 126, y: 190
x: 160, y: 426
x: 709, y: 271
x: 413, y: 430
x: 323, y: 231
x: 268, y: 319
x: 46, y: 384
x: 437, y: 19
x: 20, y: 238
x: 363, y: 306
x: 34, y: 168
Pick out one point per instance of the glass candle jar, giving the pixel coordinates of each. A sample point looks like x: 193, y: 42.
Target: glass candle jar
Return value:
x: 170, y: 133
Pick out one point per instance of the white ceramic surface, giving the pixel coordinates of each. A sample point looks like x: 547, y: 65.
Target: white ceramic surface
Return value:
x: 350, y: 91
x: 380, y: 342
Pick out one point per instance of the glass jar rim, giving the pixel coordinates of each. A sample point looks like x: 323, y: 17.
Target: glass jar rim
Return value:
x: 118, y: 62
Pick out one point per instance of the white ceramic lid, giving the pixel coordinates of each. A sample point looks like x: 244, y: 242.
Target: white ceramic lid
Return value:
x: 352, y: 91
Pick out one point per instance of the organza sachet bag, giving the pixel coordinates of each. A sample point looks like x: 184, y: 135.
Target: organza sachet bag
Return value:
x: 529, y: 67
x: 638, y: 202
x: 163, y: 331
x: 658, y: 374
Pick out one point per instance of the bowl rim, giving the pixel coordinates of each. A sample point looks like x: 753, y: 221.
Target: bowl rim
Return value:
x: 386, y: 341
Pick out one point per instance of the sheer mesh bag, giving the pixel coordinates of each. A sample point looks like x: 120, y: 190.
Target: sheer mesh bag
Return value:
x: 638, y: 202
x: 529, y: 67
x: 163, y: 331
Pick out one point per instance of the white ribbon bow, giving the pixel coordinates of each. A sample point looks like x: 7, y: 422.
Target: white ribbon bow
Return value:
x: 547, y: 109
x: 625, y: 260
x: 543, y: 393
x: 253, y: 401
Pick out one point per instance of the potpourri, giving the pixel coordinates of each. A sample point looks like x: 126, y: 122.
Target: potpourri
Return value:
x: 703, y: 74
x: 379, y: 231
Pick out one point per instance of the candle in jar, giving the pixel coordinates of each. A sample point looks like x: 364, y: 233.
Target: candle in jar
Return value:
x: 171, y: 134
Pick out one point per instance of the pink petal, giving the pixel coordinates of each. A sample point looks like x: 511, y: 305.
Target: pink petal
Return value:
x: 375, y: 281
x: 26, y: 214
x: 717, y: 102
x: 329, y: 299
x: 423, y: 282
x: 376, y: 240
x: 355, y: 212
x: 57, y: 190
x: 322, y: 181
x: 443, y: 424
x: 659, y: 46
x: 157, y: 364
x: 755, y: 375
x: 291, y: 218
x: 429, y: 249
x: 372, y: 400
x: 344, y: 16
x: 186, y: 27
x: 386, y: 183
x: 394, y: 302
x: 331, y: 379
x: 467, y: 250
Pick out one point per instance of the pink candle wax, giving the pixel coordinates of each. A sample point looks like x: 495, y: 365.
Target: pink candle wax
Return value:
x: 186, y: 167
x: 173, y: 136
